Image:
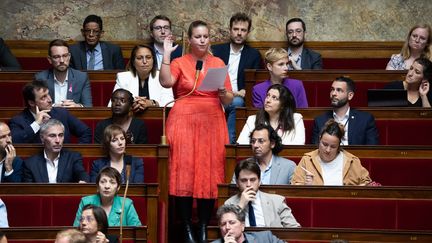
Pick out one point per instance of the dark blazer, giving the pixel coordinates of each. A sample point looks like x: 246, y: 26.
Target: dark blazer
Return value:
x: 79, y: 89
x: 17, y: 173
x: 111, y: 55
x: 250, y: 59
x: 361, y: 128
x: 7, y: 60
x: 70, y: 168
x: 310, y: 59
x: 23, y: 133
x: 137, y: 169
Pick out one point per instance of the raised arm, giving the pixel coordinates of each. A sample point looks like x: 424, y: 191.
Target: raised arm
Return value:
x: 165, y: 77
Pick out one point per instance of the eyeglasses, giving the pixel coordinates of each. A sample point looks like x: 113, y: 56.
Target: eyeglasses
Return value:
x: 88, y: 219
x: 159, y: 28
x: 58, y: 57
x: 297, y: 31
x: 92, y: 32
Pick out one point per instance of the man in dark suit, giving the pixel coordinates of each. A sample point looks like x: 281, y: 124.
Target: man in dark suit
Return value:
x: 25, y: 126
x: 300, y: 57
x: 360, y: 128
x: 67, y: 86
x: 266, y: 144
x: 231, y: 220
x: 93, y: 54
x: 10, y: 164
x: 239, y: 56
x: 8, y: 61
x: 160, y: 28
x: 54, y: 164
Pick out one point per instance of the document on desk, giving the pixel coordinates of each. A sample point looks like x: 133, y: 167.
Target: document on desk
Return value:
x: 214, y: 79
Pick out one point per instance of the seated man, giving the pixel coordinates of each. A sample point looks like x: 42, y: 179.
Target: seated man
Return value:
x: 54, y: 164
x: 231, y: 220
x: 8, y: 61
x: 25, y: 126
x: 360, y: 128
x: 121, y: 107
x: 10, y: 164
x: 67, y: 86
x: 263, y: 209
x: 266, y: 144
x: 93, y: 54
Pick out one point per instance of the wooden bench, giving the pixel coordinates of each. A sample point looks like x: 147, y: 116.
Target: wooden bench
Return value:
x: 396, y: 126
x: 336, y: 55
x: 34, y: 204
x: 91, y: 116
x: 293, y: 235
x: 383, y: 208
x: 388, y: 165
x: 48, y: 234
x: 317, y: 83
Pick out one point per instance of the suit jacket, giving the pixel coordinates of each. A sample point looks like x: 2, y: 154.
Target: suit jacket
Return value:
x: 17, y: 173
x: 79, y: 89
x: 250, y: 59
x: 70, y: 168
x: 281, y: 171
x: 276, y: 212
x: 126, y: 80
x: 23, y: 133
x: 130, y: 217
x: 311, y: 59
x: 136, y: 174
x: 361, y: 127
x: 7, y: 60
x: 112, y: 56
x: 257, y: 237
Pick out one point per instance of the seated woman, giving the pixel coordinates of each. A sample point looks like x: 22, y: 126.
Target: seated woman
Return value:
x: 142, y: 80
x: 416, y: 83
x: 330, y: 165
x: 136, y: 130
x: 278, y: 112
x: 114, y: 147
x: 277, y: 62
x: 417, y: 44
x: 108, y: 184
x: 93, y: 223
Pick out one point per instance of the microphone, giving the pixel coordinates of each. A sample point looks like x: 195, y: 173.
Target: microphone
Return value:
x: 198, y: 68
x: 128, y: 161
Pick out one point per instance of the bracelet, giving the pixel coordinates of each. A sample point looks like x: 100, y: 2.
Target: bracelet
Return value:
x: 166, y: 63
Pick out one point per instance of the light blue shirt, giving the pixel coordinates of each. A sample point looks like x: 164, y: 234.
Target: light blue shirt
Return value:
x: 266, y: 174
x: 159, y: 57
x: 98, y: 57
x: 3, y: 215
x: 298, y: 61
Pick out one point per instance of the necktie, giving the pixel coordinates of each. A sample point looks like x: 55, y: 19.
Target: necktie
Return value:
x: 91, y: 63
x: 252, y: 221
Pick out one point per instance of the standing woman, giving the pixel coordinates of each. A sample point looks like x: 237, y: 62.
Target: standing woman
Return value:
x: 196, y: 130
x: 142, y: 80
x: 417, y: 44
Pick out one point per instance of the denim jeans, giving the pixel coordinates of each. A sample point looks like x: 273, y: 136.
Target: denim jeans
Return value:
x: 231, y: 117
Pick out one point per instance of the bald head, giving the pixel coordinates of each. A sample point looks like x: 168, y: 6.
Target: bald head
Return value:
x: 5, y: 135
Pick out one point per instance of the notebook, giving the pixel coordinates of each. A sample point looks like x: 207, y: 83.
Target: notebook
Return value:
x: 387, y: 97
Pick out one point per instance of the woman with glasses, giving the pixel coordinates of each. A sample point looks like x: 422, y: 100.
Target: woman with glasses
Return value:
x: 93, y: 223
x: 108, y: 184
x: 417, y: 44
x: 330, y: 165
x: 276, y: 60
x: 279, y: 112
x: 142, y: 80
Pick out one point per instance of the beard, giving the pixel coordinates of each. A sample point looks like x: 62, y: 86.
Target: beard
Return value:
x: 233, y: 40
x: 339, y: 103
x: 295, y: 44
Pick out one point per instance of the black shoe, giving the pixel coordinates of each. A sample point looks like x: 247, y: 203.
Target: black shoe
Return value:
x: 202, y: 233
x: 188, y: 234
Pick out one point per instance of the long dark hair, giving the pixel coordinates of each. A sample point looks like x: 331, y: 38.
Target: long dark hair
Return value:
x: 288, y: 108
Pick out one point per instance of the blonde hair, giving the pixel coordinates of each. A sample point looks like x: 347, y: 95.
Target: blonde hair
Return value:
x: 74, y: 235
x: 273, y: 55
x: 406, y: 52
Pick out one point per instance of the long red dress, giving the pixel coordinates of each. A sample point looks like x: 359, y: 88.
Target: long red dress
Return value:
x: 196, y: 132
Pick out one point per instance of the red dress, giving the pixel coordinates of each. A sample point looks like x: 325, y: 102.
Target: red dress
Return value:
x: 196, y: 132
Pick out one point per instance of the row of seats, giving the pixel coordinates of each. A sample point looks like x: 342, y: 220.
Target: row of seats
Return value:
x: 317, y: 85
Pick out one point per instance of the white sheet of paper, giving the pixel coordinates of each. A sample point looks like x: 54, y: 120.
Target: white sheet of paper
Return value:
x: 214, y: 79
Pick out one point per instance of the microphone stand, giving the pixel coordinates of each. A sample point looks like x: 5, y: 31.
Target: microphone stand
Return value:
x: 198, y: 69
x: 128, y: 170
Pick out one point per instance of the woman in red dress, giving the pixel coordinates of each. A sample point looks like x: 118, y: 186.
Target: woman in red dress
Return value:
x: 196, y: 129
